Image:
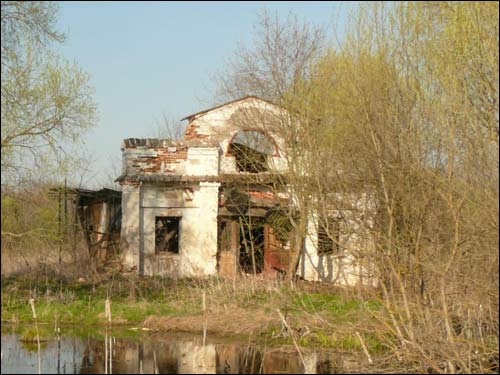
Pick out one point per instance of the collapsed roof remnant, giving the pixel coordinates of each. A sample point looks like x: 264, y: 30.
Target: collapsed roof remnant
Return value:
x: 99, y: 213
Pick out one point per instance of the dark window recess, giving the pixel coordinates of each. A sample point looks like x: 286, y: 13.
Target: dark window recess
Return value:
x: 247, y: 159
x: 167, y: 234
x: 251, y: 150
x: 329, y: 237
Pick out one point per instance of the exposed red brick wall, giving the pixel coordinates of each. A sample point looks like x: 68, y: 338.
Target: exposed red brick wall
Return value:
x: 192, y: 133
x: 275, y: 256
x: 166, y: 155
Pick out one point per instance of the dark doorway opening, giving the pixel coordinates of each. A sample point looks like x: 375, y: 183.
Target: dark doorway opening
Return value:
x: 252, y: 240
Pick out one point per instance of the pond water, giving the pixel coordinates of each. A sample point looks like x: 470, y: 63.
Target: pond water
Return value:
x: 124, y: 351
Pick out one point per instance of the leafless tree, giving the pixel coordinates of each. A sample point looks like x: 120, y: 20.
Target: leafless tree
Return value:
x: 398, y: 128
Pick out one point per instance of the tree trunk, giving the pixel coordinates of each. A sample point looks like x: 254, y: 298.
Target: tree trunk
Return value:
x: 297, y: 244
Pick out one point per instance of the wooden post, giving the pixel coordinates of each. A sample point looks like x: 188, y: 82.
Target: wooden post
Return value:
x: 59, y: 230
x: 204, y: 308
x: 106, y: 349
x: 65, y: 228
x: 65, y: 207
x: 107, y: 310
x: 290, y: 331
x: 75, y: 224
x: 235, y: 245
x: 32, y: 303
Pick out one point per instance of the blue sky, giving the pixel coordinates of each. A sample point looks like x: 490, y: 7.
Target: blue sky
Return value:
x: 149, y: 58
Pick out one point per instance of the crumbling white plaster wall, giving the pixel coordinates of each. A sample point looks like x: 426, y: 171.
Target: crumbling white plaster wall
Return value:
x: 197, y: 206
x: 202, y: 161
x: 342, y: 268
x: 217, y: 125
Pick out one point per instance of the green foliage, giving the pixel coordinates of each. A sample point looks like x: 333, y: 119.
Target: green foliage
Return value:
x: 30, y: 219
x: 46, y: 101
x: 333, y: 305
x: 84, y: 303
x: 407, y: 109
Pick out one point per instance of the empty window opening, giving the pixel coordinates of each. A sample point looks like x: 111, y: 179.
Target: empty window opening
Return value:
x: 251, y: 246
x: 251, y: 150
x: 329, y: 236
x: 167, y: 234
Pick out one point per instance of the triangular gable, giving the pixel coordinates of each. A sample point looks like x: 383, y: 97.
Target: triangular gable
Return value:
x: 201, y: 113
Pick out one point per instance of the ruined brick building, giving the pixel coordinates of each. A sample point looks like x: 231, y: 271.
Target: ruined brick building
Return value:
x: 203, y: 206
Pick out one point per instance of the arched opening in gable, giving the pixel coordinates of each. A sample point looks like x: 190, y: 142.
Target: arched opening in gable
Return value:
x: 252, y: 150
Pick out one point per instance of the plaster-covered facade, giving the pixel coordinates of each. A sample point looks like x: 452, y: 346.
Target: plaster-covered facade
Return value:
x: 181, y: 200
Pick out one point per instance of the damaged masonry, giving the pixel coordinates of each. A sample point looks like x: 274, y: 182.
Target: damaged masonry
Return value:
x: 209, y: 205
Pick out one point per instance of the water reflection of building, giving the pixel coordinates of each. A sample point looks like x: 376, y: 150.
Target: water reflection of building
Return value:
x: 192, y: 357
x: 184, y: 357
x: 250, y: 360
x: 170, y: 354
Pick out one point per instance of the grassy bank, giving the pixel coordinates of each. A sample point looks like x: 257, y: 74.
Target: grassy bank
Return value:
x: 319, y: 316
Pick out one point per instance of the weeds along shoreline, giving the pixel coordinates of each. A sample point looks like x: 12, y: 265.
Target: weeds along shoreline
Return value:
x: 315, y: 315
x: 305, y: 316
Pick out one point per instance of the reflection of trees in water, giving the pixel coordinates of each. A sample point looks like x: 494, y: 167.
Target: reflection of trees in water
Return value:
x: 87, y: 360
x: 91, y: 356
x: 177, y: 355
x: 32, y: 346
x: 57, y: 356
x: 326, y: 367
x: 250, y: 360
x: 241, y: 360
x: 190, y: 357
x: 130, y: 357
x: 278, y: 361
x: 125, y: 357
